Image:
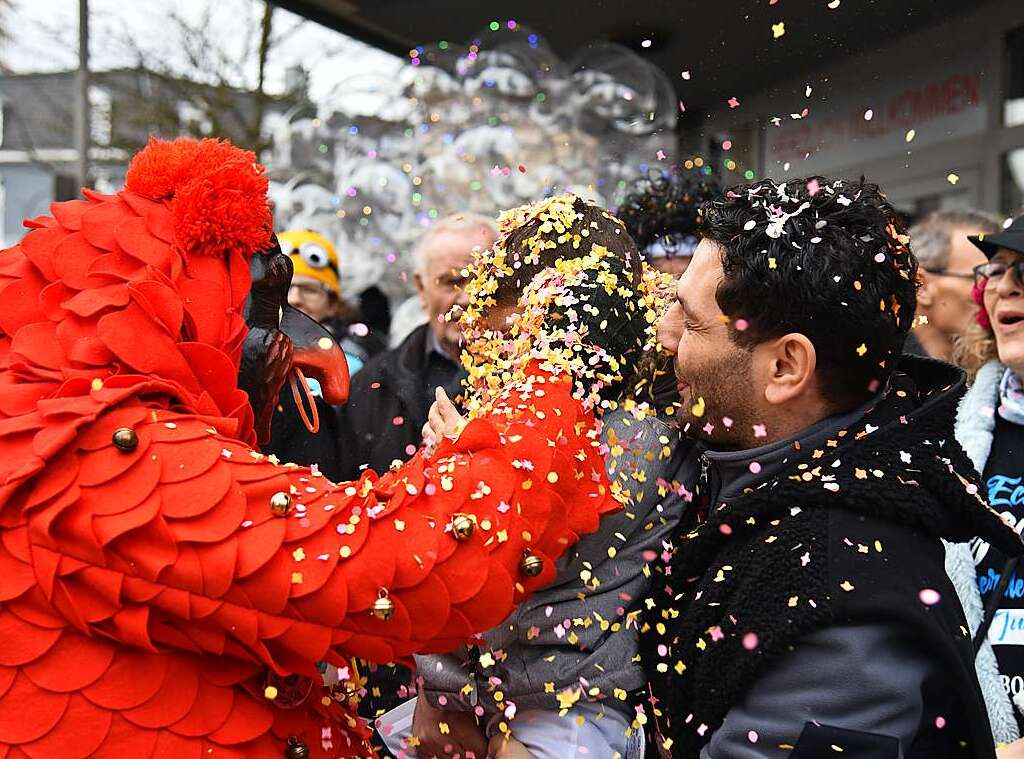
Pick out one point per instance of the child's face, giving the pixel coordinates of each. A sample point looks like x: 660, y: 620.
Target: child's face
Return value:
x: 498, y: 318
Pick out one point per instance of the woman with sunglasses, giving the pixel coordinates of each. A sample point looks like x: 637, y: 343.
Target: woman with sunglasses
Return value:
x: 990, y: 427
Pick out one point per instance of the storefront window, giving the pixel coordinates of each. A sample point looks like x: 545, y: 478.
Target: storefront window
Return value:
x: 1013, y: 102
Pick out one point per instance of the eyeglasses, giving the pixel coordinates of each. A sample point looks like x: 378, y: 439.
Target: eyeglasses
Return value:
x: 309, y: 292
x: 989, y: 274
x: 954, y: 274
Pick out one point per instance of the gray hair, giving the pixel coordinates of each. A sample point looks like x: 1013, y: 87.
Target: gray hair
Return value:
x: 456, y: 222
x: 931, y: 239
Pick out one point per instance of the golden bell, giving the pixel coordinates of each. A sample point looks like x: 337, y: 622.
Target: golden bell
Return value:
x: 125, y: 439
x: 281, y: 504
x: 296, y: 749
x: 462, y: 526
x: 531, y: 564
x: 383, y: 607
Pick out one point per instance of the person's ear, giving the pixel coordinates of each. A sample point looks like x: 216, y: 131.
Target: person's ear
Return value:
x: 788, y: 367
x: 925, y: 295
x: 417, y: 278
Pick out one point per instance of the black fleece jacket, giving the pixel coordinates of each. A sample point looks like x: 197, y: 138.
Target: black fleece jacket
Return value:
x: 848, y: 535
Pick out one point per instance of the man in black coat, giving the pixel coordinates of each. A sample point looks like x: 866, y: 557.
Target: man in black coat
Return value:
x: 806, y: 611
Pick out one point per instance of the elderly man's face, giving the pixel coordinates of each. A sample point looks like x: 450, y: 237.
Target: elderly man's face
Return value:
x: 441, y: 284
x: 946, y: 296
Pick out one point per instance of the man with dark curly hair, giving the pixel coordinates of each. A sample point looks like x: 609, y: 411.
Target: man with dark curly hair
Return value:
x: 660, y: 214
x: 806, y: 610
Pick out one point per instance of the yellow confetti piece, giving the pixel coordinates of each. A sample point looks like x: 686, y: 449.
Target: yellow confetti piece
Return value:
x: 443, y: 727
x: 772, y: 263
x: 344, y: 552
x: 270, y: 692
x: 862, y: 349
x: 846, y: 585
x: 778, y: 29
x: 296, y: 578
x: 910, y: 135
x: 567, y: 698
x: 698, y: 408
x: 298, y: 554
x: 952, y: 178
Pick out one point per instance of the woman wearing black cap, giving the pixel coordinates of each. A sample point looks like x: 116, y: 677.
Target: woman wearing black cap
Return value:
x: 990, y: 427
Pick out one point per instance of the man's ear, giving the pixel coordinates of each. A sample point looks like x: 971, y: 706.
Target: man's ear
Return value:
x: 925, y: 296
x: 417, y: 278
x: 788, y: 369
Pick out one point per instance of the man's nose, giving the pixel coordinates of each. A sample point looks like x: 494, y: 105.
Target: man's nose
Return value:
x: 462, y: 299
x: 294, y: 298
x: 668, y: 332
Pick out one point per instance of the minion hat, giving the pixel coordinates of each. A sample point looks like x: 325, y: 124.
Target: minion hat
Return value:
x: 312, y: 256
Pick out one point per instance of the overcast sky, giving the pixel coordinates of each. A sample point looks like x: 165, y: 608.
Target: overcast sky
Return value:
x: 43, y: 37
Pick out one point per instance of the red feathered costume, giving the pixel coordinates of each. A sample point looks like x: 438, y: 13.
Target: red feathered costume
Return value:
x: 160, y: 581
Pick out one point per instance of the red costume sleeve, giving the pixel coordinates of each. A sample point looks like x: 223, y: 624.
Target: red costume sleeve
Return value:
x: 176, y: 543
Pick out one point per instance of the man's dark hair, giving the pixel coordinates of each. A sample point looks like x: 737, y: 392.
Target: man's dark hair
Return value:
x: 664, y: 207
x: 827, y: 259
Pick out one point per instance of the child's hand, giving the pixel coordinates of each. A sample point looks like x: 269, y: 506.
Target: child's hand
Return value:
x: 507, y: 747
x: 444, y: 420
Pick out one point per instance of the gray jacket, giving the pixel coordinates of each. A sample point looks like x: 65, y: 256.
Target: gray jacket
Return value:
x: 579, y: 635
x: 975, y: 423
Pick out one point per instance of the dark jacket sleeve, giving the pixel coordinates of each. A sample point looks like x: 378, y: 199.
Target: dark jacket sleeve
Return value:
x: 862, y: 684
x: 367, y: 436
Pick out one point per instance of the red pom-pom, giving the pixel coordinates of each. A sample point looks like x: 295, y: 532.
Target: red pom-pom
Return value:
x: 217, y: 194
x: 978, y: 296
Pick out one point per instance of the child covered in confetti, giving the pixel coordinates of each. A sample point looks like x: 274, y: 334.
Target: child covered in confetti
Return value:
x: 564, y: 286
